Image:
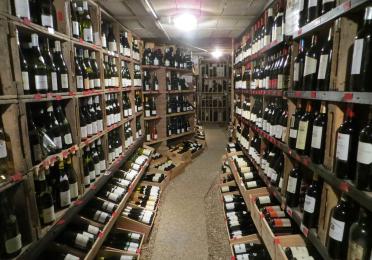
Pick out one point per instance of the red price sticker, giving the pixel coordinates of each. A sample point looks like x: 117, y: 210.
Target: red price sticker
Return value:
x: 289, y: 211
x: 101, y: 234
x: 38, y: 96
x: 61, y: 222
x: 276, y: 240
x: 346, y: 5
x: 313, y: 94
x: 16, y: 177
x: 261, y: 215
x: 78, y: 202
x: 60, y: 16
x: 298, y: 93
x: 304, y: 230
x: 81, y: 40
x: 348, y: 96
x: 26, y: 21
x: 58, y: 97
x: 65, y: 154
x: 93, y: 187
x: 138, y: 251
x: 71, y: 93
x: 233, y: 258
x: 114, y: 214
x: 344, y: 186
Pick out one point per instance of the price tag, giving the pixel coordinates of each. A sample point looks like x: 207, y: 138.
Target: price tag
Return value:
x: 233, y: 258
x: 65, y: 154
x: 61, y: 222
x: 26, y: 21
x: 346, y: 6
x: 298, y: 94
x: 16, y: 177
x: 46, y: 164
x: 261, y: 215
x: 276, y: 240
x: 81, y: 40
x: 304, y: 230
x: 138, y: 251
x: 58, y: 97
x: 71, y: 93
x: 107, y: 173
x: 38, y: 96
x: 313, y: 94
x: 101, y: 234
x: 289, y: 211
x: 344, y: 186
x: 114, y: 214
x: 60, y: 16
x: 348, y: 96
x: 78, y: 202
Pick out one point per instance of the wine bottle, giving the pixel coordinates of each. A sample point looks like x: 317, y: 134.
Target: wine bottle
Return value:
x: 303, y: 140
x: 95, y: 71
x: 347, y: 141
x: 62, y: 72
x: 299, y: 64
x: 38, y: 67
x: 361, y: 69
x: 313, y: 10
x: 89, y: 81
x: 51, y: 66
x: 311, y: 65
x: 363, y: 178
x: 339, y: 229
x: 302, y: 12
x: 312, y: 203
x: 86, y: 28
x: 24, y: 66
x: 281, y: 226
x: 293, y: 187
x: 46, y: 12
x: 112, y: 45
x: 72, y: 178
x: 359, y: 244
x: 319, y: 136
x: 79, y: 73
x: 324, y: 68
x: 75, y: 26
x: 76, y: 240
x: 64, y: 126
x: 96, y: 215
x: 64, y: 196
x: 44, y: 200
x: 52, y: 127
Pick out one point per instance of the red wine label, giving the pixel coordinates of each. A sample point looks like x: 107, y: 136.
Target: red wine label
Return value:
x: 273, y: 208
x: 342, y: 150
x: 336, y: 230
x: 364, y: 153
x: 277, y: 214
x: 282, y: 222
x: 317, y: 137
x: 309, y: 204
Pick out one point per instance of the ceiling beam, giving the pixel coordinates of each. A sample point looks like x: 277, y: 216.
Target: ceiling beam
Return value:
x: 133, y: 17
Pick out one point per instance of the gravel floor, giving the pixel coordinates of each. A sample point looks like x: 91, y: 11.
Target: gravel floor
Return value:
x: 190, y: 222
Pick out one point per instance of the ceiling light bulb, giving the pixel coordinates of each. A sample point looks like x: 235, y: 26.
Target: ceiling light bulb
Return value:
x: 217, y: 53
x: 185, y: 22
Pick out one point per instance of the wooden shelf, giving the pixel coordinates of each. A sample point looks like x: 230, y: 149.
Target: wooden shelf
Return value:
x: 152, y: 67
x: 181, y: 113
x: 261, y: 92
x: 152, y: 118
x: 169, y: 138
x: 180, y: 91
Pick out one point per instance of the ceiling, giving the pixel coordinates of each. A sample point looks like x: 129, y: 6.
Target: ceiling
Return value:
x: 218, y: 20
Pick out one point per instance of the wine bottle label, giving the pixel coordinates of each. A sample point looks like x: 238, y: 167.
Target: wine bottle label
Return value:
x: 83, y: 132
x: 97, y: 83
x: 86, y: 83
x: 89, y: 129
x: 92, y: 175
x: 282, y: 222
x: 225, y: 189
x: 107, y: 82
x: 3, y: 152
x: 284, y: 133
x: 312, y: 3
x: 91, y: 83
x: 13, y: 244
x: 342, y: 150
x: 68, y: 139
x: 230, y: 206
x: 296, y: 72
x: 292, y: 183
x: 336, y: 229
x: 102, y: 164
x: 58, y: 141
x: 309, y: 204
x: 108, y: 206
x: 79, y: 82
x: 113, y: 196
x: 251, y: 184
x: 25, y: 80
x: 65, y: 198
x: 100, y: 216
x: 293, y: 133
x: 41, y: 82
x: 310, y: 64
x: 328, y: 1
x: 357, y: 56
x: 126, y: 52
x: 81, y: 241
x: 97, y: 169
x: 264, y: 200
x: 93, y: 230
x: 86, y: 180
x: 147, y: 217
x: 113, y: 47
x: 94, y: 127
x: 323, y: 62
x: 47, y: 21
x: 240, y: 248
x: 316, y: 139
x: 99, y: 125
x: 277, y: 214
x: 74, y: 190
x: 48, y: 215
x: 274, y: 176
x: 356, y: 251
x: 302, y: 134
x: 228, y: 198
x: 75, y: 28
x: 364, y: 153
x: 248, y: 175
x: 64, y: 81
x: 71, y: 257
x: 88, y: 34
x: 301, y: 5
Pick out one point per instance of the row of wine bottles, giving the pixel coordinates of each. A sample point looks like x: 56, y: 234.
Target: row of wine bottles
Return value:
x: 212, y: 70
x: 271, y: 72
x: 178, y: 125
x: 190, y: 145
x: 268, y: 28
x: 178, y: 104
x: 214, y: 86
x: 177, y: 59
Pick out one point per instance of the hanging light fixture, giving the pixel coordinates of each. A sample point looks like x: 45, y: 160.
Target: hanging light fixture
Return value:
x: 185, y: 22
x: 217, y: 53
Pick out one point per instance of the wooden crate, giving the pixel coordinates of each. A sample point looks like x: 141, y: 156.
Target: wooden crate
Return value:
x: 186, y: 156
x: 162, y: 184
x: 249, y: 239
x: 290, y: 240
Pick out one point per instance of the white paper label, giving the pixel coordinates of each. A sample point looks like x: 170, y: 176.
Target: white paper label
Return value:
x: 342, y: 150
x: 364, y: 153
x: 292, y: 183
x: 93, y: 230
x: 68, y: 139
x: 65, y: 198
x: 48, y: 214
x: 296, y: 72
x: 312, y: 3
x: 302, y: 134
x: 75, y: 28
x: 357, y: 56
x: 25, y: 80
x: 83, y: 131
x: 309, y: 204
x: 47, y: 20
x: 88, y: 34
x: 71, y: 257
x: 79, y: 82
x: 74, y: 190
x: 41, y: 82
x: 264, y: 200
x: 336, y: 230
x: 64, y: 81
x: 102, y: 165
x: 81, y: 241
x: 14, y: 244
x: 86, y: 180
x: 310, y: 65
x: 240, y: 248
x: 58, y: 141
x: 316, y: 139
x: 3, y: 152
x: 323, y: 66
x: 293, y: 133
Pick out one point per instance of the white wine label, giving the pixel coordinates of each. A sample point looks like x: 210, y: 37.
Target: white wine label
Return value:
x: 134, y: 236
x: 91, y: 83
x: 240, y: 248
x: 48, y: 215
x: 296, y: 72
x: 312, y: 3
x: 97, y: 169
x: 92, y: 175
x: 113, y: 196
x: 79, y: 82
x: 248, y: 175
x: 3, y: 152
x: 108, y: 206
x: 302, y: 134
x: 94, y: 127
x: 225, y: 189
x: 75, y: 28
x: 228, y: 198
x: 252, y: 184
x: 25, y: 80
x: 99, y: 125
x: 89, y: 129
x: 58, y: 141
x: 280, y: 186
x: 309, y: 204
x: 81, y: 241
x: 71, y: 257
x: 47, y: 20
x: 12, y: 245
x: 243, y: 257
x: 64, y: 81
x: 88, y: 235
x: 328, y: 1
x: 68, y: 138
x: 54, y: 81
x: 364, y: 153
x: 357, y: 56
x: 264, y: 199
x: 127, y: 52
x: 88, y: 34
x: 310, y: 65
x: 113, y: 46
x: 97, y: 83
x: 336, y: 230
x: 93, y: 230
x: 323, y: 66
x: 102, y: 165
x: 280, y: 81
x: 86, y: 180
x: 230, y: 206
x: 356, y: 251
x: 74, y: 190
x: 65, y: 198
x: 83, y: 132
x: 274, y: 176
x: 292, y: 183
x: 41, y: 82
x: 292, y: 133
x: 316, y: 139
x: 342, y: 150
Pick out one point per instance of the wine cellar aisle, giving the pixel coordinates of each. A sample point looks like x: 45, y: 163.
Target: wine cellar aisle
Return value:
x: 190, y: 223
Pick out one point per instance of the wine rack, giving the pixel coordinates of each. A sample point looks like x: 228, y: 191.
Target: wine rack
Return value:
x: 15, y: 106
x: 342, y: 20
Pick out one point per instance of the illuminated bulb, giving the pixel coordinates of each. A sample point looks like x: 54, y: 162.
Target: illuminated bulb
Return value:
x: 217, y: 53
x: 185, y: 22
